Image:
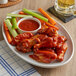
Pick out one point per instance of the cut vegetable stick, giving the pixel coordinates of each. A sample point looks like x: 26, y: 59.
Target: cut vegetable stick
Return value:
x: 48, y: 24
x: 35, y: 14
x: 44, y: 26
x: 17, y: 15
x: 22, y: 13
x: 47, y: 16
x: 16, y: 19
x: 5, y: 27
x: 8, y: 36
x: 9, y: 25
x: 14, y: 23
x: 9, y: 19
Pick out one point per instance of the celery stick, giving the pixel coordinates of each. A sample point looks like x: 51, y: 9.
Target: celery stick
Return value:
x: 12, y: 31
x: 34, y: 14
x: 19, y: 31
x: 18, y: 15
x: 9, y: 19
x: 14, y: 23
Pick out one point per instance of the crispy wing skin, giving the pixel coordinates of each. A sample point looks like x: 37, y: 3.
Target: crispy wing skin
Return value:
x: 44, y: 26
x: 42, y: 37
x: 48, y: 31
x: 44, y: 56
x: 26, y: 45
x: 61, y: 51
x: 20, y: 37
x: 47, y: 49
x: 23, y: 49
x: 49, y: 42
x: 61, y: 47
x: 61, y: 39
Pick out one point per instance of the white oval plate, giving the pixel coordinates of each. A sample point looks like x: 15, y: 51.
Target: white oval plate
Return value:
x: 68, y: 55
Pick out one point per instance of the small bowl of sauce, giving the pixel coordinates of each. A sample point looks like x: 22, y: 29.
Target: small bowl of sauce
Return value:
x: 29, y: 25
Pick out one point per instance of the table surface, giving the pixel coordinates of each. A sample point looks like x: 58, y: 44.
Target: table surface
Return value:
x: 66, y: 70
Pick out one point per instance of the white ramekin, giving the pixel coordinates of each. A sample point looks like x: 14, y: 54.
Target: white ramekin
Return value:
x: 34, y: 31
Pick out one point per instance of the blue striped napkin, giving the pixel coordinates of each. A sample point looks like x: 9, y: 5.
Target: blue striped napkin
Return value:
x: 12, y: 65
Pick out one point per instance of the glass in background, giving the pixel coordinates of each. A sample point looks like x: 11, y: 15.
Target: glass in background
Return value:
x: 65, y: 7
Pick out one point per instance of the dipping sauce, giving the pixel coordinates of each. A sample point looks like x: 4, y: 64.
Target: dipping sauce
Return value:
x: 28, y: 25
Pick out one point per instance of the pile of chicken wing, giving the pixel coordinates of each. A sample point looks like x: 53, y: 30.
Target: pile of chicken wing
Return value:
x: 47, y: 45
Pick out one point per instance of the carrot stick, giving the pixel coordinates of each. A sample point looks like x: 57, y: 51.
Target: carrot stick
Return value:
x: 44, y: 26
x: 22, y: 13
x: 48, y: 24
x: 5, y: 27
x: 16, y: 19
x: 47, y: 16
x: 8, y: 36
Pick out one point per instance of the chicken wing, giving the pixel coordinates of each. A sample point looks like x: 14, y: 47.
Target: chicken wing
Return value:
x: 48, y: 31
x: 49, y: 42
x: 61, y: 51
x: 44, y: 56
x: 20, y: 37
